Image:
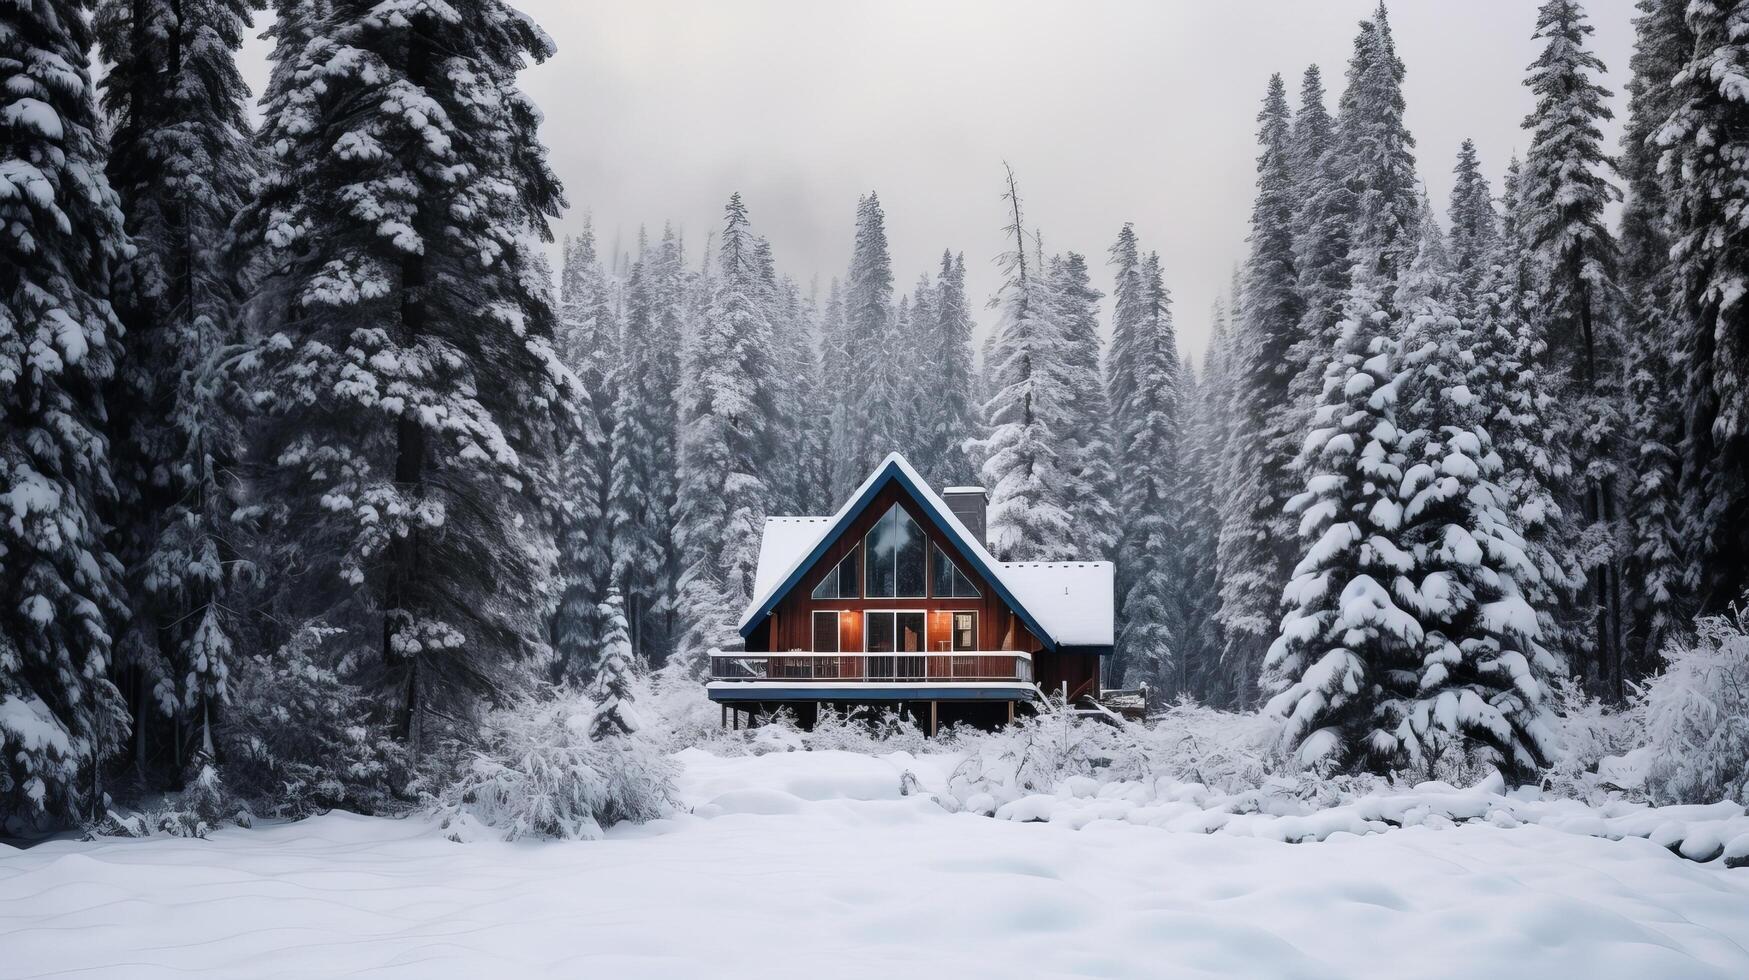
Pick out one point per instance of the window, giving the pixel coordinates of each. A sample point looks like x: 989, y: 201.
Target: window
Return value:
x: 825, y: 631
x: 894, y: 632
x: 950, y: 581
x: 965, y: 631
x: 895, y: 557
x: 840, y: 582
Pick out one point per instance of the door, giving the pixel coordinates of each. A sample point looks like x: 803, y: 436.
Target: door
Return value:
x: 898, y: 632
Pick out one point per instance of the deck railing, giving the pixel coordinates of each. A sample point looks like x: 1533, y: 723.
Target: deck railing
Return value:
x: 874, y: 668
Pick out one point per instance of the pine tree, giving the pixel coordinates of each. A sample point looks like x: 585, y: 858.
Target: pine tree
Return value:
x: 1322, y: 226
x: 1479, y: 688
x: 410, y: 386
x: 948, y: 411
x: 1564, y: 193
x: 60, y: 587
x: 1706, y: 173
x: 1386, y: 206
x: 1474, y: 224
x: 1256, y: 468
x: 1024, y: 467
x: 1655, y: 569
x: 1345, y: 638
x: 868, y: 422
x: 612, y: 673
x: 588, y: 340
x: 1148, y: 422
x: 1089, y: 441
x: 726, y: 416
x: 181, y: 161
x: 1200, y: 641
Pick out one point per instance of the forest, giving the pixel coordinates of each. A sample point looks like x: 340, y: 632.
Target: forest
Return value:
x: 327, y: 488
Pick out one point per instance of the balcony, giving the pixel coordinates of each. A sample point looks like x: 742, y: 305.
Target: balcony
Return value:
x: 874, y: 668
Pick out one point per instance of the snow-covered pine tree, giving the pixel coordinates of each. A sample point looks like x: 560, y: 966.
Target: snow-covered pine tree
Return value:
x: 588, y: 340
x: 181, y: 160
x: 948, y: 408
x: 1506, y: 344
x: 61, y: 593
x: 873, y: 393
x: 1256, y: 468
x: 799, y: 470
x: 610, y: 686
x: 1563, y: 195
x: 1089, y: 443
x: 1706, y: 175
x: 1478, y: 691
x: 726, y: 415
x: 1386, y: 204
x: 1474, y: 225
x: 1024, y: 466
x: 409, y: 383
x: 1659, y: 559
x: 1200, y: 641
x: 1322, y: 219
x: 1346, y: 639
x: 1150, y: 512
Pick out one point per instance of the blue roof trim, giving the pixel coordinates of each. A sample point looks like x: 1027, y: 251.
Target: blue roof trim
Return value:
x: 892, y: 472
x: 859, y: 692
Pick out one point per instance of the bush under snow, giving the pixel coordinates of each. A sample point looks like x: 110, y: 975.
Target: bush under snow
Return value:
x: 1695, y: 717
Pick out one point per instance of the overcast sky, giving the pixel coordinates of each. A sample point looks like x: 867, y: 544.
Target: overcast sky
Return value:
x: 1109, y: 110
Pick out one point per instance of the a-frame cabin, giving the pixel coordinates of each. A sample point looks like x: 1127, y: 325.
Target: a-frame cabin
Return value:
x: 895, y: 601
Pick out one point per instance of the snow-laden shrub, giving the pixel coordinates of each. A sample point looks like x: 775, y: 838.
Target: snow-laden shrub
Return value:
x: 298, y: 736
x: 1589, y: 733
x: 1224, y: 750
x: 1696, y: 716
x: 539, y: 773
x: 1034, y: 754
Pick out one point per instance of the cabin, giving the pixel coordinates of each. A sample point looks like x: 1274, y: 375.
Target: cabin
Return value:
x: 896, y: 601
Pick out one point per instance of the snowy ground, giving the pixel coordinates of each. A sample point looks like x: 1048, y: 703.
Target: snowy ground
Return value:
x: 812, y: 864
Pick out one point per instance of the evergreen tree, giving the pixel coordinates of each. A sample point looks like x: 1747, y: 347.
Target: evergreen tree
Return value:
x: 409, y: 381
x: 1024, y: 468
x: 1706, y: 170
x: 612, y: 673
x: 948, y: 412
x: 869, y: 421
x: 1256, y: 469
x: 1474, y: 224
x: 60, y: 587
x: 1088, y: 443
x: 1346, y: 637
x: 1654, y: 571
x: 1386, y: 205
x: 1149, y: 428
x: 1479, y: 688
x: 1200, y: 641
x: 1564, y: 193
x: 181, y: 161
x: 588, y: 340
x: 727, y: 409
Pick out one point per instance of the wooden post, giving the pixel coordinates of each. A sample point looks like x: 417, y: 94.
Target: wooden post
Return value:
x: 737, y: 719
x: 724, y: 723
x: 1011, y: 712
x: 932, y: 706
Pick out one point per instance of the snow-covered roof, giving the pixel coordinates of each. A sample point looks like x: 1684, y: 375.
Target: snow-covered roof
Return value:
x: 1068, y: 603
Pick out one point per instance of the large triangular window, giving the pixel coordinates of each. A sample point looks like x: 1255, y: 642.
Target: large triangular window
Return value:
x: 950, y: 582
x: 840, y: 582
x: 894, y: 550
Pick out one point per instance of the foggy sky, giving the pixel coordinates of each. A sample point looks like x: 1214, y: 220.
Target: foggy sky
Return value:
x: 1109, y: 111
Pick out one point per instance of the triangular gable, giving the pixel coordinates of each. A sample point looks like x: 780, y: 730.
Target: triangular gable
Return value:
x: 893, y: 469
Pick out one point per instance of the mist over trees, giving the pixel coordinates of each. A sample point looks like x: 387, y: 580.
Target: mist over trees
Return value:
x: 312, y: 460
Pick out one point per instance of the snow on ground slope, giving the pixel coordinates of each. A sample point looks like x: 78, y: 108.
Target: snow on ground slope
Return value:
x: 809, y: 865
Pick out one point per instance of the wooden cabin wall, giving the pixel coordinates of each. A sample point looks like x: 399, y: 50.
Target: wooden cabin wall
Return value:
x: 792, y: 620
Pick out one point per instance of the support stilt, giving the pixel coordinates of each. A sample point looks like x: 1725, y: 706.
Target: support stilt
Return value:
x: 932, y: 717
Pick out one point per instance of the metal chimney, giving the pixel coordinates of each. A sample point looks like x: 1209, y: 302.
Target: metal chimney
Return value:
x: 969, y: 504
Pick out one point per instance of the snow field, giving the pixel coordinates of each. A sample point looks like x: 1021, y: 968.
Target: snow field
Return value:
x: 804, y: 864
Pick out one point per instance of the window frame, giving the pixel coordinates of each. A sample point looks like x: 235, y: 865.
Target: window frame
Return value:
x: 837, y: 631
x: 935, y: 582
x: 868, y: 553
x: 833, y: 576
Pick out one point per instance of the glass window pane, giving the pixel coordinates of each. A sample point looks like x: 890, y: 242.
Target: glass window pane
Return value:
x: 965, y: 631
x: 909, y: 556
x: 825, y: 632
x: 882, y: 546
x: 840, y: 582
x: 949, y: 580
x: 880, y: 632
x: 910, y: 627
